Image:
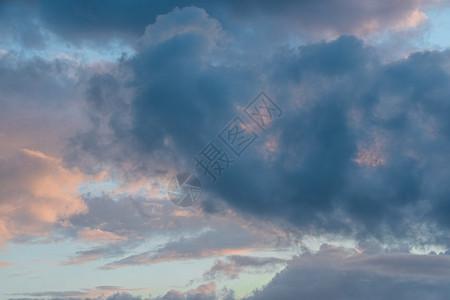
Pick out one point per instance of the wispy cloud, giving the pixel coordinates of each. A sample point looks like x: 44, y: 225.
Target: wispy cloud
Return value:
x: 234, y: 265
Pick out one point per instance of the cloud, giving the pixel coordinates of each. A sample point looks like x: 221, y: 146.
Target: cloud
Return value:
x: 359, y: 144
x: 42, y: 93
x: 39, y: 111
x: 97, y: 293
x: 4, y: 264
x: 152, y: 76
x: 20, y: 24
x: 235, y: 264
x: 83, y: 21
x: 36, y: 192
x: 358, y: 149
x: 202, y: 292
x: 190, y: 20
x: 203, y: 245
x: 187, y: 233
x: 93, y: 254
x: 336, y: 273
x: 98, y: 235
x: 123, y: 296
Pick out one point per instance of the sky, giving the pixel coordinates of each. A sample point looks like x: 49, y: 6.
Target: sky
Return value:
x: 200, y: 150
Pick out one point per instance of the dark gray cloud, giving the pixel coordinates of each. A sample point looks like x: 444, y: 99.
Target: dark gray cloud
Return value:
x: 360, y: 150
x: 364, y: 142
x: 165, y: 78
x: 86, y: 20
x: 99, y: 21
x: 333, y: 273
x: 20, y: 24
x: 313, y: 283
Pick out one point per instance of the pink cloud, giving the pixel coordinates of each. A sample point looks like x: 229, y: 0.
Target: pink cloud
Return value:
x: 36, y: 192
x: 5, y: 264
x: 100, y: 236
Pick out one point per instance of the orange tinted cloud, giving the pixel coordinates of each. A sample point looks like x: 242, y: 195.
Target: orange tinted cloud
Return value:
x: 5, y: 264
x: 36, y: 191
x: 100, y: 236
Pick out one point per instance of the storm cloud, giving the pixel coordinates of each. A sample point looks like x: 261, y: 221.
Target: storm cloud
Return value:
x: 359, y: 150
